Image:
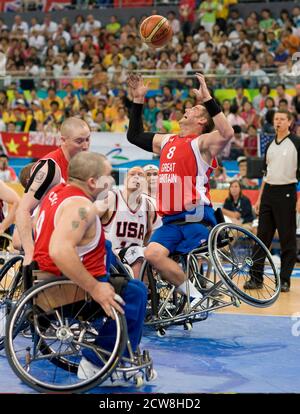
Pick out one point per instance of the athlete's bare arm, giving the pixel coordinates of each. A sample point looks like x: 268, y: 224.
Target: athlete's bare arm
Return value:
x: 10, y: 197
x: 105, y: 208
x: 45, y: 176
x: 75, y: 220
x: 151, y: 213
x: 212, y: 144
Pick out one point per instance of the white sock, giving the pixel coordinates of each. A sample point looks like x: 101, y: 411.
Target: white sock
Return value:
x: 194, y: 293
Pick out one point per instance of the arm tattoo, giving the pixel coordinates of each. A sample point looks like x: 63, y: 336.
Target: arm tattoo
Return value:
x: 75, y: 225
x: 40, y: 176
x: 82, y: 213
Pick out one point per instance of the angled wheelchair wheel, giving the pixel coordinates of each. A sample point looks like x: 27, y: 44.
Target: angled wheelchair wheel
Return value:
x: 239, y: 255
x: 164, y: 301
x: 65, y: 325
x: 10, y: 290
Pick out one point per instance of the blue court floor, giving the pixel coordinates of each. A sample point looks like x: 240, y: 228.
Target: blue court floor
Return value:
x: 227, y: 353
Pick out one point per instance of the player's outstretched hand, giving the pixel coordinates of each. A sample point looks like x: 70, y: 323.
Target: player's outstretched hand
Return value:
x: 138, y: 88
x: 202, y: 94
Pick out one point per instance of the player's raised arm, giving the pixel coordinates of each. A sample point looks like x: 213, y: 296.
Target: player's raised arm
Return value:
x: 215, y: 141
x: 149, y: 141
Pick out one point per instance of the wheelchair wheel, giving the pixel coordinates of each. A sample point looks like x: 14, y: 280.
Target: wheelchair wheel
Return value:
x: 164, y: 302
x: 10, y: 290
x: 5, y: 246
x: 243, y: 255
x: 64, y: 326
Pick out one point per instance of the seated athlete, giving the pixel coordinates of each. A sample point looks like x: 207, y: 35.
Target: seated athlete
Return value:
x: 127, y: 217
x: 186, y: 162
x: 69, y: 240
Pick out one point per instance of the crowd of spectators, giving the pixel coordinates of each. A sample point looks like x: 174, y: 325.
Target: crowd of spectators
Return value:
x: 57, y: 69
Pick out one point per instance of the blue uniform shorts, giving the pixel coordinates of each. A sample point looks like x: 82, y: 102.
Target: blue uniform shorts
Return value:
x: 183, y: 238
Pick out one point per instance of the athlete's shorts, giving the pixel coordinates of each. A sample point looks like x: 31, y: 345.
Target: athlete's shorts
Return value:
x: 183, y: 238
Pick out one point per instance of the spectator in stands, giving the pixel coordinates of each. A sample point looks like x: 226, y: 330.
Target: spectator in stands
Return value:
x: 238, y: 207
x: 226, y: 104
x: 296, y: 101
x: 114, y: 26
x: 250, y: 142
x: 187, y: 15
x: 267, y: 21
x: 242, y: 175
x: 219, y: 178
x: 280, y: 89
x: 249, y: 115
x: 255, y: 76
x: 174, y: 22
x: 259, y: 100
x: 52, y: 96
x: 283, y: 105
x: 267, y: 125
x: 237, y: 143
x: 290, y: 41
x: 234, y: 118
x: 7, y: 173
x: 120, y: 123
x: 207, y: 13
x: 240, y: 98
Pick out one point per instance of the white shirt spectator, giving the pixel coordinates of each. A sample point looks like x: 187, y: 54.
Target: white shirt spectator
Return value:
x: 35, y: 28
x: 62, y: 33
x: 75, y: 68
x: 32, y: 70
x: 90, y: 26
x: 37, y: 41
x: 49, y: 28
x: 261, y: 75
x: 20, y: 26
x: 3, y: 60
x: 205, y: 60
x: 175, y: 24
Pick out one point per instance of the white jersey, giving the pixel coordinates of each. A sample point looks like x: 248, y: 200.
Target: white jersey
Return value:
x: 127, y: 227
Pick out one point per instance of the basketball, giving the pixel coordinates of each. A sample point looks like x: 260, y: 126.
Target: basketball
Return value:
x: 156, y: 31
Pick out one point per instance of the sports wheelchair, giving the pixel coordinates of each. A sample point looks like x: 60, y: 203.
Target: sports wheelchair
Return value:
x: 219, y: 269
x: 53, y: 325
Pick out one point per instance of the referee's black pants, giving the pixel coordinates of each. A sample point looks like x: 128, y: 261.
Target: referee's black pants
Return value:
x: 278, y: 211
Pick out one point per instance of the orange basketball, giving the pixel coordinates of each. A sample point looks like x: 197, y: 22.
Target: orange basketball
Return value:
x: 156, y: 31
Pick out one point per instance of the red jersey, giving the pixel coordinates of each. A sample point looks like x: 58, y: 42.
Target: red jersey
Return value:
x: 183, y: 179
x: 92, y: 255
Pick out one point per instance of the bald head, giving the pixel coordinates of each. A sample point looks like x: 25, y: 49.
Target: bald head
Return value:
x: 85, y: 165
x: 70, y: 127
x: 75, y: 136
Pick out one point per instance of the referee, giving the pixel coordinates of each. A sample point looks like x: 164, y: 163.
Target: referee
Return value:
x: 276, y: 204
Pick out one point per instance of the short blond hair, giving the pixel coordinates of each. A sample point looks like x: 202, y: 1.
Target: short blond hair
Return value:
x: 70, y: 125
x: 85, y: 165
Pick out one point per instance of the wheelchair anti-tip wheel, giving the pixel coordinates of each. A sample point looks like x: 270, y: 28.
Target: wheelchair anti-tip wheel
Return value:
x: 244, y: 256
x: 64, y: 324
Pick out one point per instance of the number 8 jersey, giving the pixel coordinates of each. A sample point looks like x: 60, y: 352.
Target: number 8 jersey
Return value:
x: 183, y: 178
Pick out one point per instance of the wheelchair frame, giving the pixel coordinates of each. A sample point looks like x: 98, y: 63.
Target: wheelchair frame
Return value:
x: 57, y: 337
x: 167, y: 307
